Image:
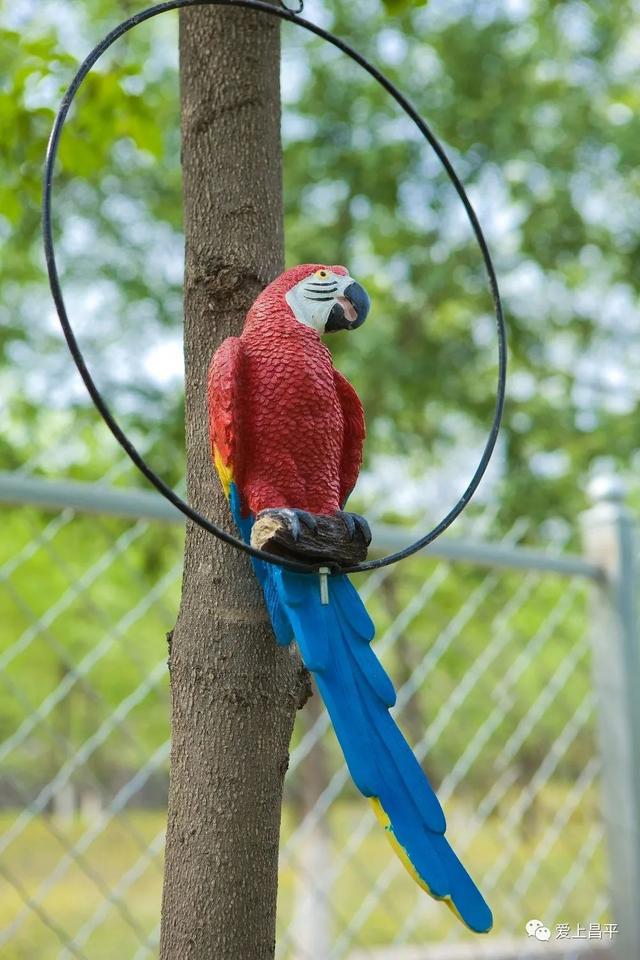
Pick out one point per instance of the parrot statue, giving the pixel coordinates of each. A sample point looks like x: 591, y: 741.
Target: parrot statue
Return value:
x: 287, y: 431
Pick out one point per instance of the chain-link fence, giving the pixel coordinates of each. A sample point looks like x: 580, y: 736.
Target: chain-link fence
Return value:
x: 488, y: 644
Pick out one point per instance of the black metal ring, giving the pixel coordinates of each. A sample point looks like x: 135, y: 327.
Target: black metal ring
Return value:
x: 118, y: 433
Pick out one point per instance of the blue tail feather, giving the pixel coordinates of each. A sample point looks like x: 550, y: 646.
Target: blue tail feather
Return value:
x: 263, y: 572
x: 334, y: 641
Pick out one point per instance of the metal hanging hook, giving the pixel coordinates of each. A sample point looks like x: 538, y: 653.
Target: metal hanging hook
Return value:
x: 297, y: 9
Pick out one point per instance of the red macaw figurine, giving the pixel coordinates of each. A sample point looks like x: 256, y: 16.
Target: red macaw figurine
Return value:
x: 286, y: 432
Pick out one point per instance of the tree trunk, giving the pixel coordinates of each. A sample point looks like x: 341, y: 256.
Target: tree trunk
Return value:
x: 234, y: 692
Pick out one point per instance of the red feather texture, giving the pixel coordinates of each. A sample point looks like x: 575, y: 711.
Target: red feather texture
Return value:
x: 285, y: 422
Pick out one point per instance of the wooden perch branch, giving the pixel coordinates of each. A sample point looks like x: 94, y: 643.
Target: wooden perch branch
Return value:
x: 331, y: 542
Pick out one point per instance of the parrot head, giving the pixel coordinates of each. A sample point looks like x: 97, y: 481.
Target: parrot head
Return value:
x: 326, y: 298
x: 317, y: 296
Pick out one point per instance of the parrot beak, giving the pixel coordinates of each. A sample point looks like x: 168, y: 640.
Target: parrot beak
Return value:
x: 350, y: 310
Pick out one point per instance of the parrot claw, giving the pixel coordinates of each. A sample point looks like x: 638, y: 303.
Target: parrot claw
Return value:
x: 353, y: 522
x: 295, y: 516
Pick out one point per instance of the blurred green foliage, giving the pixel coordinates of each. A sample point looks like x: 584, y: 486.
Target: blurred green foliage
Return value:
x: 85, y: 602
x: 536, y: 103
x: 86, y: 605
x: 73, y: 900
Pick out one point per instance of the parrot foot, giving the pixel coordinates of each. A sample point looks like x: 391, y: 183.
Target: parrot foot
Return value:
x: 353, y: 522
x: 327, y: 539
x: 295, y: 516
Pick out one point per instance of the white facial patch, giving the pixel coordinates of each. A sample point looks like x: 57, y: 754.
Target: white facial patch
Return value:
x: 313, y: 299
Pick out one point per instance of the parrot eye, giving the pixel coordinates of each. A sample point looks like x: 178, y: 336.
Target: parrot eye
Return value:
x: 322, y: 274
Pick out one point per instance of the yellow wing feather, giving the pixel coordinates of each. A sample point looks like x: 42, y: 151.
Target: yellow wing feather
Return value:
x: 224, y: 471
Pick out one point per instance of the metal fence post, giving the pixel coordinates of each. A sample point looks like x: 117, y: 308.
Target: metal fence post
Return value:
x: 609, y: 537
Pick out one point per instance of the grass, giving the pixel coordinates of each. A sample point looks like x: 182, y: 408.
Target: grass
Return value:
x: 109, y: 860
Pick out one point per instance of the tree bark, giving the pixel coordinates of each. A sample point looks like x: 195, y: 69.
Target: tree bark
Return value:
x: 234, y: 692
